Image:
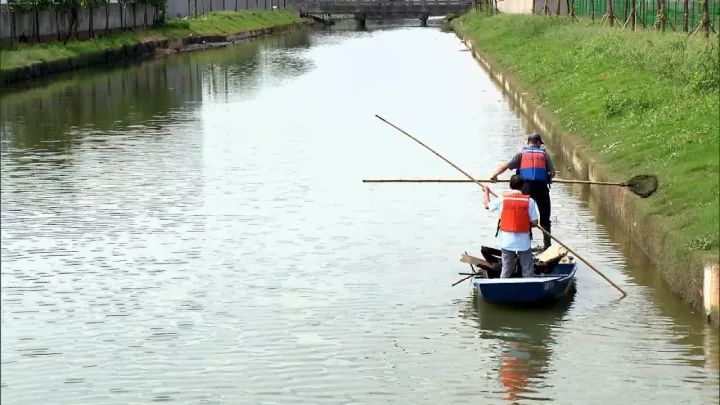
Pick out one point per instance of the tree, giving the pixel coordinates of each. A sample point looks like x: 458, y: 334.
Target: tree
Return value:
x: 72, y: 6
x: 91, y: 5
x: 134, y: 6
x: 159, y: 11
x: 107, y: 16
x: 30, y: 6
x: 706, y: 18
x: 121, y: 6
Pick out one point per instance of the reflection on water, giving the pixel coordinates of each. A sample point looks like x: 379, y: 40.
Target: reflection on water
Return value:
x: 527, y: 342
x: 194, y: 229
x: 46, y: 117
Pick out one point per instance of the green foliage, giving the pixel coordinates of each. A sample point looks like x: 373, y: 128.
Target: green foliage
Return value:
x: 60, y: 5
x: 704, y: 242
x: 623, y: 103
x: 30, y: 5
x: 92, y: 3
x: 445, y: 26
x: 223, y: 22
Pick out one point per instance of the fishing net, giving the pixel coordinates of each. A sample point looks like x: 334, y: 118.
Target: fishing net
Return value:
x: 643, y: 185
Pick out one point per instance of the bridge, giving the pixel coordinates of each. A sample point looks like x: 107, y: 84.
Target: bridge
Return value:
x: 364, y: 9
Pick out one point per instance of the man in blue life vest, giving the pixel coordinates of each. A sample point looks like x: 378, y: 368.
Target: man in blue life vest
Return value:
x: 533, y: 163
x: 517, y: 215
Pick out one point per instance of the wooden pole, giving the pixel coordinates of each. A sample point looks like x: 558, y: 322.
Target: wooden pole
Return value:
x: 460, y: 281
x: 624, y: 294
x: 36, y: 22
x: 661, y: 4
x: 474, y: 273
x: 437, y: 154
x: 12, y: 24
x: 706, y: 18
x: 633, y: 16
x: 625, y: 11
x: 642, y: 185
x: 642, y: 12
x: 685, y: 15
x: 91, y: 23
x: 692, y: 15
x: 601, y: 183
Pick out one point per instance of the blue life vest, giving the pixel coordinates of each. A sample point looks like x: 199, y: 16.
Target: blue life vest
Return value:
x: 533, y: 164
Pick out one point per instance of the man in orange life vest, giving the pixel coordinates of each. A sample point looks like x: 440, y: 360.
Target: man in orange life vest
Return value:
x: 517, y: 215
x: 533, y: 163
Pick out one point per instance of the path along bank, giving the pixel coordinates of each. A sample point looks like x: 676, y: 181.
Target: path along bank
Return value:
x: 615, y: 104
x: 25, y: 62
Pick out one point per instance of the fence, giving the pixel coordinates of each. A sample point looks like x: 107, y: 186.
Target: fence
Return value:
x: 51, y: 24
x: 553, y: 6
x: 647, y: 12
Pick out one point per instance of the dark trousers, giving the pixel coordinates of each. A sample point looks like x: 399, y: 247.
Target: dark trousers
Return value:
x: 539, y: 191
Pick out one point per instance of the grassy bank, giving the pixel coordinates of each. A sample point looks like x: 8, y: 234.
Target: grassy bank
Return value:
x: 643, y: 102
x: 216, y: 23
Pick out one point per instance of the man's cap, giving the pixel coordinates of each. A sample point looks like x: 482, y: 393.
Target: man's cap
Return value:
x: 535, y: 138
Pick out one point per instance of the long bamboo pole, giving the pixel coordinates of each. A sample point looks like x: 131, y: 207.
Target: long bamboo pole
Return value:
x: 602, y: 183
x: 436, y: 154
x: 624, y: 294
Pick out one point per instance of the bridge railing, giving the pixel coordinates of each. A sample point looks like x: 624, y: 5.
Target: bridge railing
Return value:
x: 387, y: 2
x: 329, y: 5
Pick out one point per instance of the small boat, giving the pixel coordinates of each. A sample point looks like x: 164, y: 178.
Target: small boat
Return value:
x: 553, y: 280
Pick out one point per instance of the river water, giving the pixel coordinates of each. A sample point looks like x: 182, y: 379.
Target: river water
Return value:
x: 195, y: 229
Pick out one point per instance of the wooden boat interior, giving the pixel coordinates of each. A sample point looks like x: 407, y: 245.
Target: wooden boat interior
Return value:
x: 546, y: 263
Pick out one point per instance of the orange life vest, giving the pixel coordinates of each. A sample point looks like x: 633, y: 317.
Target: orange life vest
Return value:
x: 514, y: 371
x: 515, y: 217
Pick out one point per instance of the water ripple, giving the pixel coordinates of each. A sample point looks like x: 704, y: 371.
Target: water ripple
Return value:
x: 199, y: 234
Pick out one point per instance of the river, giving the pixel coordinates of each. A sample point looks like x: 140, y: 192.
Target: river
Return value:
x: 195, y: 229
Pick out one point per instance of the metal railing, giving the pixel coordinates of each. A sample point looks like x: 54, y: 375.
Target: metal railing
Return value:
x: 383, y: 5
x: 648, y: 12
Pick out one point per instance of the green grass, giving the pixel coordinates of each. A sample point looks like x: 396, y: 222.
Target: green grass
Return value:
x: 644, y: 102
x: 24, y: 55
x: 215, y: 23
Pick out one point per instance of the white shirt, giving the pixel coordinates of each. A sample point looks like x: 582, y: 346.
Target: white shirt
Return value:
x: 514, y: 241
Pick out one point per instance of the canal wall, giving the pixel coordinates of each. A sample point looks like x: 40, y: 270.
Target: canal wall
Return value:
x: 145, y: 49
x: 621, y: 204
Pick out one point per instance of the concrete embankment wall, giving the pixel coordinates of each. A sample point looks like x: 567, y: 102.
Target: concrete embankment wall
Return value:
x: 618, y: 202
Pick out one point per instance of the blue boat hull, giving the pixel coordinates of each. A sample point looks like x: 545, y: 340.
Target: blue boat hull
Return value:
x: 556, y: 285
